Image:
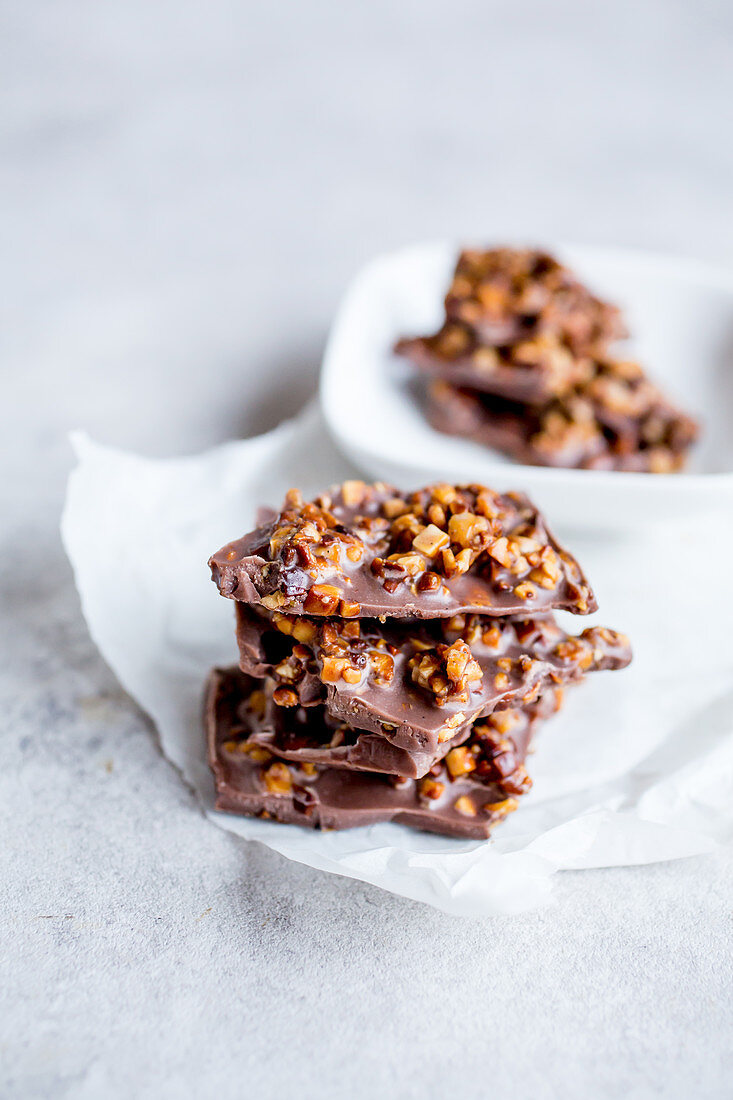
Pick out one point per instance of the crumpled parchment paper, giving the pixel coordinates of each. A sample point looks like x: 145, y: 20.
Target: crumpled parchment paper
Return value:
x: 638, y: 767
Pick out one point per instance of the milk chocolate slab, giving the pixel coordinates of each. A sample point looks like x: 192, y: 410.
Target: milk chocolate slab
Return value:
x: 418, y: 685
x: 309, y: 734
x: 370, y: 551
x: 476, y: 786
x: 508, y: 294
x: 614, y: 395
x: 531, y: 370
x: 575, y: 432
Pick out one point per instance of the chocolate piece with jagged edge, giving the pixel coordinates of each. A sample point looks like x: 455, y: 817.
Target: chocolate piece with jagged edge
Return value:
x: 510, y: 294
x: 473, y: 789
x: 369, y: 551
x: 607, y: 425
x: 532, y: 370
x: 309, y: 734
x: 418, y: 684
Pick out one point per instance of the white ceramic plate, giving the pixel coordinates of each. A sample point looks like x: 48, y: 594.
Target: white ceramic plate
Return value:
x: 680, y: 314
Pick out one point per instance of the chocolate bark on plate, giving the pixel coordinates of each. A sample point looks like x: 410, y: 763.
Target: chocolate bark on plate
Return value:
x: 476, y: 786
x: 370, y: 551
x: 508, y: 294
x: 586, y: 429
x: 522, y: 364
x: 422, y: 684
x: 532, y: 370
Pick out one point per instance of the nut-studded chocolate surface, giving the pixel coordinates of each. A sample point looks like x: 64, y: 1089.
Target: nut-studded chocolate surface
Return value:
x: 310, y: 735
x: 418, y: 685
x: 473, y: 788
x: 367, y: 550
x: 611, y: 424
x: 522, y: 365
x: 531, y: 370
x: 507, y: 294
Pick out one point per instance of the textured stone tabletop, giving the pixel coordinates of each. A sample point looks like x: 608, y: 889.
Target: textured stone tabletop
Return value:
x: 185, y: 191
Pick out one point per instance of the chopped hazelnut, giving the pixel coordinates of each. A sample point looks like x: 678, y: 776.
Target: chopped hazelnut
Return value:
x: 353, y: 493
x: 283, y: 623
x: 430, y: 540
x: 274, y: 601
x: 256, y: 753
x: 430, y: 788
x: 501, y: 809
x: 382, y: 666
x: 459, y: 761
x: 504, y: 720
x: 464, y: 528
x: 443, y: 494
x: 449, y: 562
x: 395, y: 507
x: 285, y: 697
x: 333, y: 668
x: 277, y: 778
x: 322, y: 599
x: 492, y: 637
x: 411, y: 563
x: 525, y: 591
x: 304, y: 631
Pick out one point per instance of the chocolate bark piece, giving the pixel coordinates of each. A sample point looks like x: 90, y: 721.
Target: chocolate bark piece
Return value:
x: 309, y: 734
x: 508, y: 294
x: 532, y: 370
x: 418, y: 685
x: 633, y: 411
x: 583, y: 430
x: 476, y: 786
x: 370, y: 551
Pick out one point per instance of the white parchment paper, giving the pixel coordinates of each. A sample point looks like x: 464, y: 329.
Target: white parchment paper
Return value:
x: 638, y: 767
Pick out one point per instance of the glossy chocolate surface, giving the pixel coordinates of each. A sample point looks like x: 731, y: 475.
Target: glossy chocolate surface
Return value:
x: 475, y: 787
x: 419, y: 685
x: 369, y: 551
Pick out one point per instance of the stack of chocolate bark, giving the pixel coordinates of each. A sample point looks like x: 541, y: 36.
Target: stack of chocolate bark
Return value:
x: 522, y: 364
x: 398, y: 652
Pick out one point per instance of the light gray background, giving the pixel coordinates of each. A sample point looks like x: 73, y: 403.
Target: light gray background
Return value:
x: 186, y: 189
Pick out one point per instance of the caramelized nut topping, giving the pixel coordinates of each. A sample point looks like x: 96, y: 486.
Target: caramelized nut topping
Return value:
x: 277, y: 778
x: 285, y: 697
x: 430, y: 788
x: 465, y: 806
x: 322, y: 557
x: 460, y: 761
x: 506, y: 806
x: 447, y: 671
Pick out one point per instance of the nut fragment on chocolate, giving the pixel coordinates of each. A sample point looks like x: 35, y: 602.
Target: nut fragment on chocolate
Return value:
x: 369, y: 551
x: 420, y: 685
x: 464, y: 795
